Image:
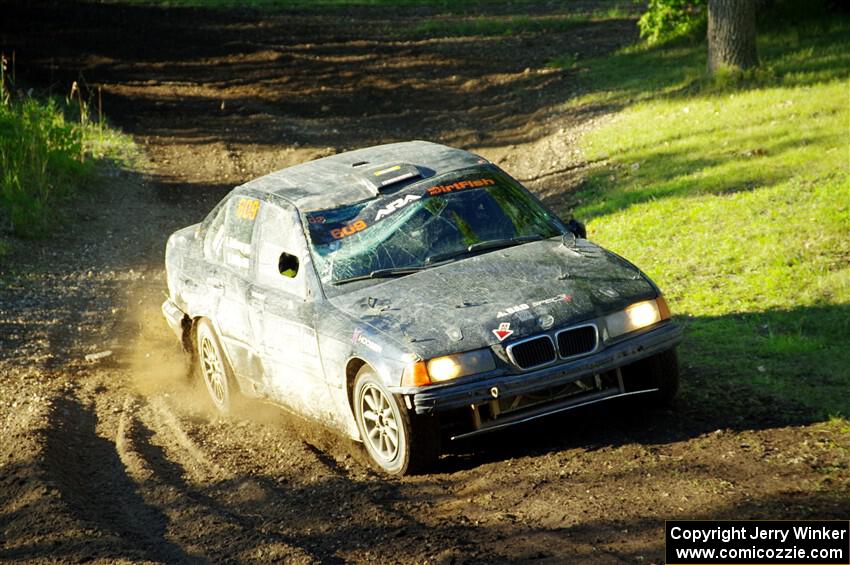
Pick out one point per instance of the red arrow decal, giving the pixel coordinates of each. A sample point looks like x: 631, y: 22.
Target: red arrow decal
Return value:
x: 503, y: 331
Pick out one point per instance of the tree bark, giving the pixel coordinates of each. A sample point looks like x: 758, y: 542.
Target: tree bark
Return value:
x: 731, y: 34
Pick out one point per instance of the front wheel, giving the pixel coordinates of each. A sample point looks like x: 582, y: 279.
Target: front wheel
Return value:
x: 665, y: 373
x: 398, y: 442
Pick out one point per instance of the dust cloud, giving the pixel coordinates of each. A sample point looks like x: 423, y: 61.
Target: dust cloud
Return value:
x: 159, y: 367
x: 157, y: 364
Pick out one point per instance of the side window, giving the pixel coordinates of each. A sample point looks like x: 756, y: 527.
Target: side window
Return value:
x: 279, y: 250
x: 215, y: 235
x: 228, y: 239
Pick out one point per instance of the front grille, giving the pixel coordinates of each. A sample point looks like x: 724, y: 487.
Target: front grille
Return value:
x: 577, y: 341
x: 533, y: 352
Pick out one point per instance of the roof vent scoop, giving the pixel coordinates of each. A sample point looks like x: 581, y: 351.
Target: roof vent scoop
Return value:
x: 382, y: 177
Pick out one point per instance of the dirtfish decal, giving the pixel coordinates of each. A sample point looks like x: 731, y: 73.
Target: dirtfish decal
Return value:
x: 358, y: 337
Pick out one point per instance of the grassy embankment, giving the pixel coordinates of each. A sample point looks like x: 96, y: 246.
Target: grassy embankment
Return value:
x: 733, y: 194
x: 48, y: 151
x: 454, y: 19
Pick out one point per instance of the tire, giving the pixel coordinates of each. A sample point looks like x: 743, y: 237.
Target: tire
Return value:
x: 665, y: 373
x: 399, y: 443
x: 213, y: 368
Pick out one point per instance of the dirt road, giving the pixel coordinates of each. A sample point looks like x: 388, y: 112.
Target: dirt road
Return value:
x: 121, y: 460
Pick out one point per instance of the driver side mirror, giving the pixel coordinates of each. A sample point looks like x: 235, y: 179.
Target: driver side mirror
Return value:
x: 578, y: 228
x: 288, y: 265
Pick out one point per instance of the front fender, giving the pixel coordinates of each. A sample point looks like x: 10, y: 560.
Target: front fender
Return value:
x: 350, y: 346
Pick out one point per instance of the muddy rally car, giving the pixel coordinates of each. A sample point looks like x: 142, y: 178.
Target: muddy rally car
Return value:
x: 411, y: 294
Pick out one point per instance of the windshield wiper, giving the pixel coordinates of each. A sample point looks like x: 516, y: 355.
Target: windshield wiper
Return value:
x: 432, y: 260
x: 435, y: 260
x: 381, y: 273
x: 507, y: 242
x: 482, y: 246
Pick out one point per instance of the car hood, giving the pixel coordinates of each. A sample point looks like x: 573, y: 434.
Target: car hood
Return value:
x: 530, y: 287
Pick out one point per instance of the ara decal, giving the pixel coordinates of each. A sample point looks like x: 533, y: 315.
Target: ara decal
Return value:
x: 358, y: 337
x: 522, y: 307
x: 504, y: 331
x: 397, y: 204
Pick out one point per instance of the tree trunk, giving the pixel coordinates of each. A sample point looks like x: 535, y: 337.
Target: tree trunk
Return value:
x: 731, y: 34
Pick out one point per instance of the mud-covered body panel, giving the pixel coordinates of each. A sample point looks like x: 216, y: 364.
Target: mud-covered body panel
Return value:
x: 456, y: 307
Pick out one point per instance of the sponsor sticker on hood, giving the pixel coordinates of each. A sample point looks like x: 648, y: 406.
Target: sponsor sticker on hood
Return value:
x: 526, y: 306
x: 503, y: 331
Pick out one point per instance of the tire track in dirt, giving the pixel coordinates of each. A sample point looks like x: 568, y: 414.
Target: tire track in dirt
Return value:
x: 191, y: 489
x: 197, y: 464
x: 277, y: 502
x: 97, y: 489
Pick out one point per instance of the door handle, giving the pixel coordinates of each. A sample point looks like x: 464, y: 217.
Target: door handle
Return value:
x: 256, y: 299
x: 215, y: 285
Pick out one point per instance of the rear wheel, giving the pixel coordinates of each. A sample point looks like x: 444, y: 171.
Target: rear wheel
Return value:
x: 398, y: 442
x: 213, y: 368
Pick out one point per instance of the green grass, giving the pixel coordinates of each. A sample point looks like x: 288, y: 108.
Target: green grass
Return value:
x: 734, y: 195
x: 48, y: 152
x: 515, y: 25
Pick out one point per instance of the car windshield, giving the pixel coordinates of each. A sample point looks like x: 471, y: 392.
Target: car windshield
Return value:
x: 426, y: 223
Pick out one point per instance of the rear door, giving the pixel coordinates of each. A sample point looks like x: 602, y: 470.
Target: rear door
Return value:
x: 229, y: 254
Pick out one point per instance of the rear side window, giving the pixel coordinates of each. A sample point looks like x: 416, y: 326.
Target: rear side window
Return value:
x: 228, y: 239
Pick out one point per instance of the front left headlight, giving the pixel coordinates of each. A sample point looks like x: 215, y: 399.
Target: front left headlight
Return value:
x: 637, y: 316
x: 460, y: 365
x: 448, y: 367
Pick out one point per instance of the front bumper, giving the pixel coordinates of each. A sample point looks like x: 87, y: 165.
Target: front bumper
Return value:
x: 174, y: 316
x: 622, y: 353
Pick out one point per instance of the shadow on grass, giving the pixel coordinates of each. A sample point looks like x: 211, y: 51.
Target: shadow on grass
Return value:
x: 664, y: 173
x: 797, y: 356
x: 792, y: 56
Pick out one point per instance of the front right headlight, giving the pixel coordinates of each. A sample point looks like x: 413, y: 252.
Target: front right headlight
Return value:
x: 637, y: 316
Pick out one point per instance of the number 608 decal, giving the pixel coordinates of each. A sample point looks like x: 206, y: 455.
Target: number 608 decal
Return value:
x: 246, y: 209
x: 348, y: 230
